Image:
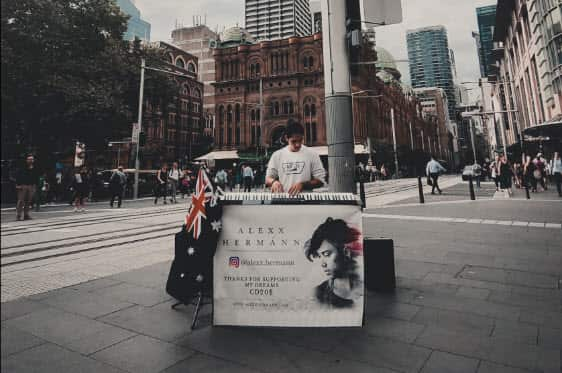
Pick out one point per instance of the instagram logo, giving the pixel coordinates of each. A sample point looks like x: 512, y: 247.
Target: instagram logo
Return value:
x: 234, y: 262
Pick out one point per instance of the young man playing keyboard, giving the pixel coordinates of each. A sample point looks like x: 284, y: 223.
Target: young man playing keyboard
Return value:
x: 295, y: 167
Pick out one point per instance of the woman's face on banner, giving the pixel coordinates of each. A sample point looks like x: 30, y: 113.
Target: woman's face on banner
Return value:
x: 328, y: 258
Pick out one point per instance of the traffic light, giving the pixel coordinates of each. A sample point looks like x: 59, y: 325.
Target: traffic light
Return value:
x: 142, y: 138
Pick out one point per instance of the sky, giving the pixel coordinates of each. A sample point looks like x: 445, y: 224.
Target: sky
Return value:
x: 458, y: 16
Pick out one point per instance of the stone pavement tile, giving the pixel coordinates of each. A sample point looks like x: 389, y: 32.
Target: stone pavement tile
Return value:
x: 165, y: 324
x: 50, y: 358
x: 96, y: 284
x: 550, y: 337
x: 383, y: 352
x: 98, y: 341
x: 205, y: 363
x: 51, y: 293
x: 317, y: 339
x: 86, y: 304
x: 469, y: 258
x: 395, y: 329
x: 20, y: 307
x: 234, y: 344
x: 15, y: 340
x: 142, y: 354
x: 443, y: 362
x: 489, y: 367
x: 394, y: 310
x: 58, y: 326
x: 153, y: 276
x: 516, y: 332
x: 469, y: 292
x: 496, y: 350
x: 137, y: 294
x: 549, y: 319
x: 461, y: 322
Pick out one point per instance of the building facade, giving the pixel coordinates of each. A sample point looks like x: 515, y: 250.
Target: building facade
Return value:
x: 528, y: 53
x: 137, y: 28
x: 199, y: 41
x: 290, y: 74
x: 175, y: 133
x: 277, y: 19
x: 486, y: 17
x: 430, y: 61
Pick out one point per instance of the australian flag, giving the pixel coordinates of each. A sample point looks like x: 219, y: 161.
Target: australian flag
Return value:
x: 196, y: 243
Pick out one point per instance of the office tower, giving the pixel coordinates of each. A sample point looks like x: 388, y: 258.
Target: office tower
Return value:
x: 430, y: 61
x: 136, y: 27
x: 277, y: 19
x: 486, y: 16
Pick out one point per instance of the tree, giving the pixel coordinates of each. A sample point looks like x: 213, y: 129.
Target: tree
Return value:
x: 68, y: 75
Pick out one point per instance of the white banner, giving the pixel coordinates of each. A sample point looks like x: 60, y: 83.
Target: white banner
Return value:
x: 289, y: 265
x: 135, y: 134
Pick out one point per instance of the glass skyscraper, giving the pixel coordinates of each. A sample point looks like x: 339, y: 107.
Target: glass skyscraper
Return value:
x: 430, y: 61
x: 486, y: 16
x: 136, y: 27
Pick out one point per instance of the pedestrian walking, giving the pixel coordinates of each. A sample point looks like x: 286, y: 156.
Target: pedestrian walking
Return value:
x: 41, y: 192
x: 528, y: 174
x: 117, y: 183
x: 248, y: 175
x: 494, y: 166
x: 384, y: 172
x: 185, y: 183
x: 93, y: 183
x: 556, y: 170
x: 432, y: 170
x: 477, y: 172
x: 540, y: 170
x: 505, y: 175
x: 161, y: 187
x: 221, y: 178
x: 173, y: 181
x: 80, y: 188
x: 27, y: 179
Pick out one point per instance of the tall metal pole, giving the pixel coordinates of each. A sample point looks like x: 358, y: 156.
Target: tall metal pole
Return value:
x: 118, y: 155
x: 139, y: 121
x: 423, y: 141
x: 260, y: 141
x: 394, y: 141
x: 411, y: 136
x: 339, y: 117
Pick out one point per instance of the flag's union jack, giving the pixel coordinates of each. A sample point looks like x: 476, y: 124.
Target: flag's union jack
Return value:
x: 203, y: 194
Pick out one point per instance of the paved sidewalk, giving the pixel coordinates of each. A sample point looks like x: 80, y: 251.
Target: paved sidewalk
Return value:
x: 470, y: 298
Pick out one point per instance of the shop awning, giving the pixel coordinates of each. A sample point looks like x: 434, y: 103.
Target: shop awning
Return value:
x: 544, y: 132
x: 323, y: 150
x: 218, y: 155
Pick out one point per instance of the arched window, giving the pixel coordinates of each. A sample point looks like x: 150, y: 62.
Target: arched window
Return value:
x: 258, y: 114
x: 237, y: 114
x: 305, y: 61
x: 185, y: 89
x: 313, y: 110
x: 197, y: 93
x: 291, y: 107
x: 253, y: 115
x: 228, y: 115
x: 314, y: 134
x: 180, y: 63
x: 258, y: 69
x: 221, y: 115
x: 306, y: 110
x: 276, y: 108
x: 191, y: 67
x: 252, y: 70
x: 286, y: 107
x: 310, y: 61
x: 307, y: 133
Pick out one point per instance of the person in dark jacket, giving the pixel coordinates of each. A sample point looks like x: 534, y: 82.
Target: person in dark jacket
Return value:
x: 80, y: 187
x: 26, y: 183
x: 117, y: 184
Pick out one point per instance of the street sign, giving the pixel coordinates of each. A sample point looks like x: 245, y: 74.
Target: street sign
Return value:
x: 136, y: 132
x: 381, y: 12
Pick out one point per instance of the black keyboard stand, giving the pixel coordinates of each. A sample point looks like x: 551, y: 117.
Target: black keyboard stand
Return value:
x: 198, y: 302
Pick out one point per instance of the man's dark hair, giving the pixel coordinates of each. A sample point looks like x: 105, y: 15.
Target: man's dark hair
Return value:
x: 293, y: 128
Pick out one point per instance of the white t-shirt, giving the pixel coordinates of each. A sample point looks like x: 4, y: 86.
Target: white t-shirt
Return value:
x: 174, y: 174
x: 295, y: 167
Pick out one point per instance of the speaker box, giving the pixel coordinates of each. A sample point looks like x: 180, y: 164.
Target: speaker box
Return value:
x: 380, y: 274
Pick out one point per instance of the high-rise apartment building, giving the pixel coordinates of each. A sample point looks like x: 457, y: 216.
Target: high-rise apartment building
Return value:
x: 136, y: 27
x: 277, y: 19
x: 198, y: 41
x: 430, y: 61
x: 486, y: 16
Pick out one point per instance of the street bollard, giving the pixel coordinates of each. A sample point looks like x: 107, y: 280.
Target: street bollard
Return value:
x: 362, y: 194
x: 420, y: 190
x: 471, y: 188
x: 527, y: 194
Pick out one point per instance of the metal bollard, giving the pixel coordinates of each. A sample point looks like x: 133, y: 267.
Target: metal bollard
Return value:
x: 420, y: 190
x: 362, y: 194
x: 471, y: 188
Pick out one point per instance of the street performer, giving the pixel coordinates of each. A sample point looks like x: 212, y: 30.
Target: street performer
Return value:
x: 295, y: 167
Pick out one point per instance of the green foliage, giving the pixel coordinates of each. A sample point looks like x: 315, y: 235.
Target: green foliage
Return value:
x: 68, y: 75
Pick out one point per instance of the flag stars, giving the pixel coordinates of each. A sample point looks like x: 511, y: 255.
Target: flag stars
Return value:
x: 199, y: 278
x: 191, y: 251
x: 217, y: 225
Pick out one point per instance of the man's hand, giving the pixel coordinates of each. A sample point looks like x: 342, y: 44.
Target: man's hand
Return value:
x: 276, y: 187
x: 296, y: 189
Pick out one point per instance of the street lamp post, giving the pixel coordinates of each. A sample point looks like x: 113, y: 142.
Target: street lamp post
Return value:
x: 139, y: 121
x: 394, y: 141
